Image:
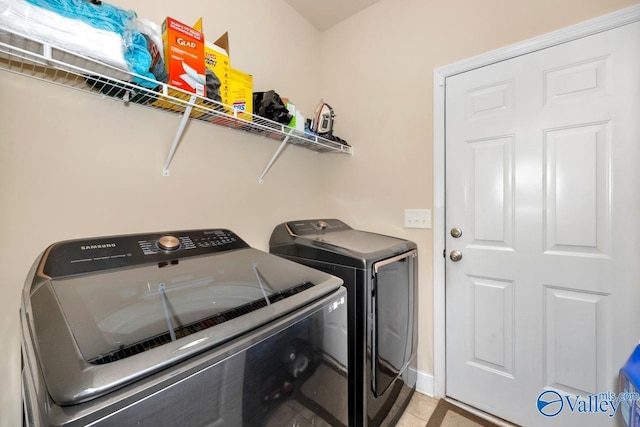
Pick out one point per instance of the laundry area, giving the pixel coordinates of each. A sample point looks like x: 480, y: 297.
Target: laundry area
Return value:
x: 242, y: 214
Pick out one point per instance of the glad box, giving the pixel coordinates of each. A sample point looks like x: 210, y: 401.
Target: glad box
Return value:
x: 184, y: 56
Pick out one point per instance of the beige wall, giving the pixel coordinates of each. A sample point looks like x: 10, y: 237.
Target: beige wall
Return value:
x: 377, y: 71
x: 73, y: 165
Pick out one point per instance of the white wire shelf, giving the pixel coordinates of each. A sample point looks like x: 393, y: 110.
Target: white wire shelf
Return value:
x: 42, y: 61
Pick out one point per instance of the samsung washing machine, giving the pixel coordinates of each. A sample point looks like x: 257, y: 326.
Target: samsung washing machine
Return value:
x: 380, y: 274
x: 182, y: 328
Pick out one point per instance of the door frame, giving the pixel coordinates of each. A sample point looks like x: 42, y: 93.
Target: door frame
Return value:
x: 603, y: 23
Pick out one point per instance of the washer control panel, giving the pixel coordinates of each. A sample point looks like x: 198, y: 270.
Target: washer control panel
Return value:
x: 103, y: 253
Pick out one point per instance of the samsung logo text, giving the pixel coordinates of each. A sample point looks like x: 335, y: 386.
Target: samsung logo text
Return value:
x: 102, y: 246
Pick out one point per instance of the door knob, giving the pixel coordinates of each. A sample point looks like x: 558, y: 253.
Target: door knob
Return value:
x: 455, y: 256
x: 456, y: 232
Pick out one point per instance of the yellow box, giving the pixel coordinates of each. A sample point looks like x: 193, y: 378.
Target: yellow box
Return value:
x: 217, y: 61
x: 240, y: 95
x: 179, y: 107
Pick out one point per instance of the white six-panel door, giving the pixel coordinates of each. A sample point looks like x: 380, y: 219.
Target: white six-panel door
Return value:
x: 543, y: 180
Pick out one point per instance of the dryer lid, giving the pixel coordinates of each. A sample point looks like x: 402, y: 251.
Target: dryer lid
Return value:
x: 360, y: 243
x: 331, y: 240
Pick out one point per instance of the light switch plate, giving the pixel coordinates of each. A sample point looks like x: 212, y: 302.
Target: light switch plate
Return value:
x: 417, y: 218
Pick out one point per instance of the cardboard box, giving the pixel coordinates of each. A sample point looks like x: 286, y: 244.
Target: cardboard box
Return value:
x: 236, y: 87
x: 184, y: 56
x: 217, y: 61
x: 297, y: 120
x: 180, y: 108
x: 240, y: 95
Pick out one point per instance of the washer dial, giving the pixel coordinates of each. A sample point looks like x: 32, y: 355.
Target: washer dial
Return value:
x: 168, y: 243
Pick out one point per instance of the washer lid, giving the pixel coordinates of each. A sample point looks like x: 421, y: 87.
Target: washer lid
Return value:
x: 108, y: 313
x: 100, y: 331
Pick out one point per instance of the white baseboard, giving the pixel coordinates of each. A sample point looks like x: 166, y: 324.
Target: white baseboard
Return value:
x: 424, y: 384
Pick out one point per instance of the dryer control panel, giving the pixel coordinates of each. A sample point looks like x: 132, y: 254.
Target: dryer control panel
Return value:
x: 74, y: 257
x: 316, y: 226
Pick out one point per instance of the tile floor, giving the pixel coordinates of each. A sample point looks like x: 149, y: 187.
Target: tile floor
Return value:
x: 420, y: 409
x: 417, y: 414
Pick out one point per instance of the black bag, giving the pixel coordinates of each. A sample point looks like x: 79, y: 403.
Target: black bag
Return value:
x: 270, y: 106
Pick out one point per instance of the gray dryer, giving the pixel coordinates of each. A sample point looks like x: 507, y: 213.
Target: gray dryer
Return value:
x: 381, y: 276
